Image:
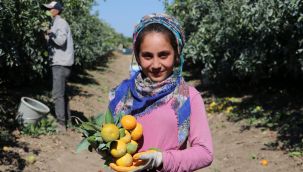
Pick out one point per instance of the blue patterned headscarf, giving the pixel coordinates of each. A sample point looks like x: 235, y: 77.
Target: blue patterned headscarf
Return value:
x: 139, y: 95
x: 169, y: 22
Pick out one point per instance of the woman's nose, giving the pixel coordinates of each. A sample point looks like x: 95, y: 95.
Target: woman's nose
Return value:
x: 156, y: 63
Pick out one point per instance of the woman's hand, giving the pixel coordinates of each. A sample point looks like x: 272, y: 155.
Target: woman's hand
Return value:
x: 152, y: 160
x: 147, y: 160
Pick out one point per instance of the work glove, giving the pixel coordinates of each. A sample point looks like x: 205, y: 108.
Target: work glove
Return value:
x: 152, y: 161
x: 46, y: 37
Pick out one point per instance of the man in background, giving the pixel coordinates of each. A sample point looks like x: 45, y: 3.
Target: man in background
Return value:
x: 61, y: 51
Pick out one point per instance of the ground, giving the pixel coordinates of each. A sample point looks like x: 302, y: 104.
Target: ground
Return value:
x: 235, y: 149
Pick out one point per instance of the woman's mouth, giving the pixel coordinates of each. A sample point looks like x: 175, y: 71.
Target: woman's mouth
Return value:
x: 157, y: 74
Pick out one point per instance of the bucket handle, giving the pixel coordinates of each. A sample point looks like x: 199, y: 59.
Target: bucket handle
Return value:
x: 77, y: 120
x: 19, y: 117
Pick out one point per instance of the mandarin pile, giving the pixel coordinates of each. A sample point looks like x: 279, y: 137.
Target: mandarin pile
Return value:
x: 115, y: 140
x: 126, y: 145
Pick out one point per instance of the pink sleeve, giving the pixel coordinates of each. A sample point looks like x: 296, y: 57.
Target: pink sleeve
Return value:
x: 199, y: 153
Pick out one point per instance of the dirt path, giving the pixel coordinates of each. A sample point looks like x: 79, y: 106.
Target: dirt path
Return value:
x: 242, y: 151
x: 57, y: 153
x: 235, y: 151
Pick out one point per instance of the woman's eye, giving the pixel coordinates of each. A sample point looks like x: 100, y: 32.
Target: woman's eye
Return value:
x: 163, y: 54
x: 147, y: 55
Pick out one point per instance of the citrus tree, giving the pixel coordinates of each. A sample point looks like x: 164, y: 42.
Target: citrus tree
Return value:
x: 23, y: 48
x: 243, y: 39
x: 22, y: 45
x: 235, y: 41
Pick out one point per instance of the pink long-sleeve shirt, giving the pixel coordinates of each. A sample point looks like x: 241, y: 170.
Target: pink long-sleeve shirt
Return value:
x: 160, y: 130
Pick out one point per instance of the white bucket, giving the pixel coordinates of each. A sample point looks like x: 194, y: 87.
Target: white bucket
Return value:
x: 30, y: 111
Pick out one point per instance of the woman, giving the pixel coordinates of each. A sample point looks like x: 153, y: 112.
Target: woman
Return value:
x: 171, y: 112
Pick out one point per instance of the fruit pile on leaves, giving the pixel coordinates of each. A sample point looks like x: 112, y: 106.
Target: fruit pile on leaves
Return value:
x: 115, y: 140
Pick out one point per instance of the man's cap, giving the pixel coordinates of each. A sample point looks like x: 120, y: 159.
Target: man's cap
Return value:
x: 54, y: 5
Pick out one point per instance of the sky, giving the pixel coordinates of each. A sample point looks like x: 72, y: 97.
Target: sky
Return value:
x: 123, y: 15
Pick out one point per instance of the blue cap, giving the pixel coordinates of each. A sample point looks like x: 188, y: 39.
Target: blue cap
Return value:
x: 54, y: 5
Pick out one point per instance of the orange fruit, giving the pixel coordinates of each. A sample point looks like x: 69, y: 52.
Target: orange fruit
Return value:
x: 137, y: 132
x: 109, y: 132
x: 117, y: 149
x: 117, y: 168
x: 264, y: 162
x: 30, y: 159
x: 128, y: 122
x: 125, y: 161
x: 137, y: 155
x: 126, y: 139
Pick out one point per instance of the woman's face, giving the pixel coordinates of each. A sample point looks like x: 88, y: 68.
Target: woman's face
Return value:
x: 54, y: 12
x: 156, y: 56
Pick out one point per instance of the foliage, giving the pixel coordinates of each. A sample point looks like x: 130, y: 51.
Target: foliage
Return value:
x: 5, y: 136
x: 243, y: 39
x: 21, y: 40
x: 43, y: 127
x: 91, y: 133
x: 7, y: 117
x: 92, y: 140
x: 243, y: 43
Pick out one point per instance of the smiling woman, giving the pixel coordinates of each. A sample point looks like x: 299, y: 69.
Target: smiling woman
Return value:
x: 171, y: 112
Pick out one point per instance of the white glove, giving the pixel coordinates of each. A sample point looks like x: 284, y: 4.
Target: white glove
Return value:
x: 153, y: 160
x: 46, y: 37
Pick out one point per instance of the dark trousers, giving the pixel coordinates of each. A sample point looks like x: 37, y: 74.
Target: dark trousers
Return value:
x: 59, y: 93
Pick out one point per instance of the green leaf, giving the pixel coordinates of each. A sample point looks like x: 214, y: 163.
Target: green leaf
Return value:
x: 84, y: 132
x: 108, y: 145
x: 89, y: 126
x: 83, y: 145
x: 97, y: 134
x: 91, y: 139
x: 122, y: 132
x: 102, y: 146
x: 99, y: 120
x: 45, y: 53
x: 118, y: 119
x: 98, y: 137
x: 108, y: 117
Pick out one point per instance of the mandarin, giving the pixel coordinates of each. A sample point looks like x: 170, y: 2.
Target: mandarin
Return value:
x: 137, y: 132
x: 110, y: 132
x: 117, y: 149
x: 128, y: 122
x: 125, y: 161
x: 127, y: 137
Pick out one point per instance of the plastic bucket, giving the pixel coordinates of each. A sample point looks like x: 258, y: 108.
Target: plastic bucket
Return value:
x: 30, y: 111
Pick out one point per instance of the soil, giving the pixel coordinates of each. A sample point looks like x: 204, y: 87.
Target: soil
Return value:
x: 236, y: 150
